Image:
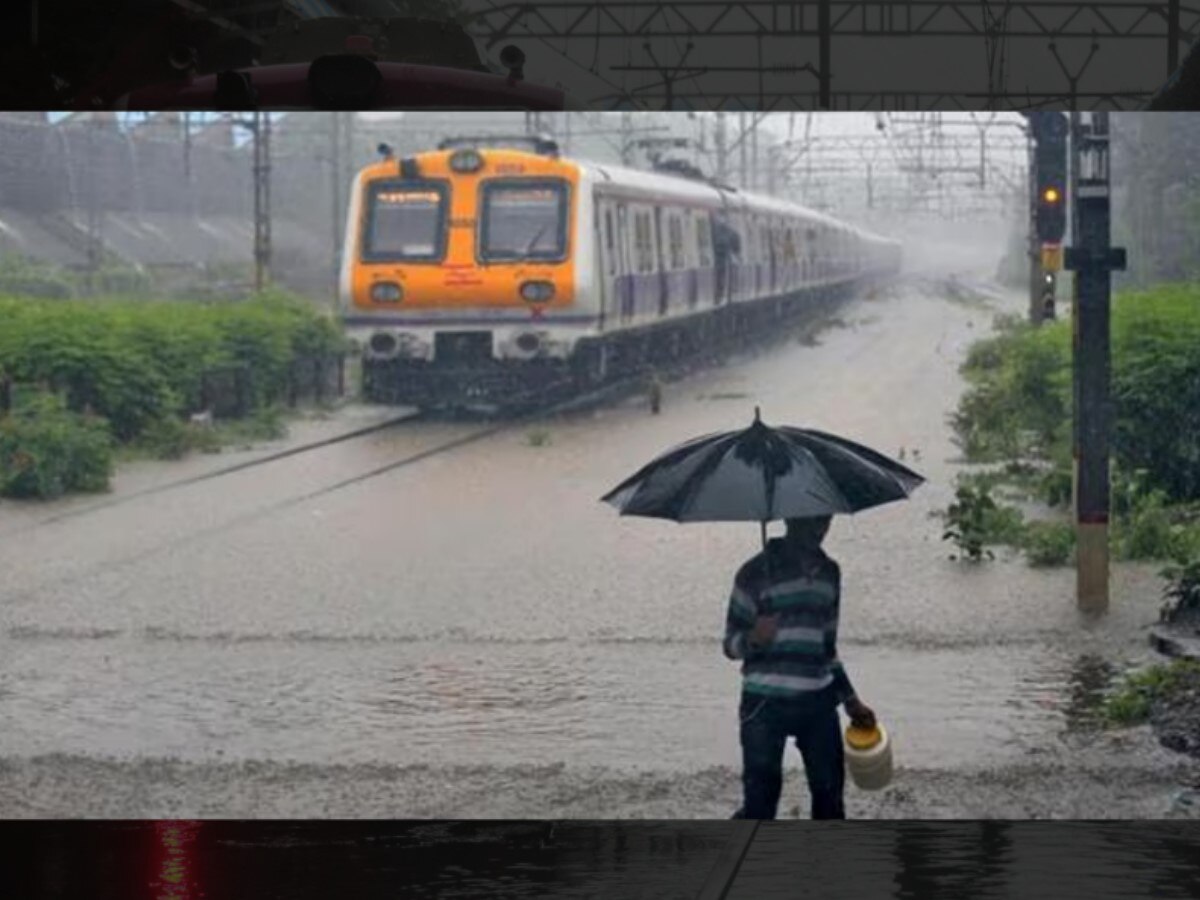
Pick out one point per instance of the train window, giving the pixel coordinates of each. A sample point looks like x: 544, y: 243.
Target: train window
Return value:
x: 406, y: 220
x: 610, y: 249
x: 524, y: 219
x: 675, y: 241
x: 642, y: 243
x: 705, y: 240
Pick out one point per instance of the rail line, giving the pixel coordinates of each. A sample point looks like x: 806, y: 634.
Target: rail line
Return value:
x: 499, y: 427
x: 217, y: 473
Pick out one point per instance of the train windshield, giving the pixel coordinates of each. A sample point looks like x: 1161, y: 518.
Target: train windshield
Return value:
x: 406, y: 221
x: 524, y: 220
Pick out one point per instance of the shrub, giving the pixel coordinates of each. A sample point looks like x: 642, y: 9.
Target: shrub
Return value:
x: 1182, y: 589
x: 1048, y: 543
x: 1134, y: 701
x: 46, y: 450
x: 1148, y: 530
x: 1018, y: 401
x: 137, y: 363
x: 975, y: 520
x: 24, y: 276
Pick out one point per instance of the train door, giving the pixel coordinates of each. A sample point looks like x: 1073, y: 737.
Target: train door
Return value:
x: 624, y: 277
x: 606, y: 240
x: 660, y: 261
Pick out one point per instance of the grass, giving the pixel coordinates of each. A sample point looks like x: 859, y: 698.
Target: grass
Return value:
x: 539, y: 437
x: 1136, y: 697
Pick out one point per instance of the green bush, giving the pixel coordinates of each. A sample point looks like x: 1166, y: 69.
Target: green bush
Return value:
x: 1017, y: 407
x: 24, y: 276
x: 46, y: 451
x: 137, y: 363
x: 1048, y: 543
x: 1134, y: 700
x: 1056, y: 487
x: 1019, y: 383
x: 975, y: 520
x: 1183, y: 586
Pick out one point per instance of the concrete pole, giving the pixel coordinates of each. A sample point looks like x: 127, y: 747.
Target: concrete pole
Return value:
x: 1093, y: 259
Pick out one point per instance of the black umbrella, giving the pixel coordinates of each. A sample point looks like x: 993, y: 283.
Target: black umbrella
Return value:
x: 761, y: 474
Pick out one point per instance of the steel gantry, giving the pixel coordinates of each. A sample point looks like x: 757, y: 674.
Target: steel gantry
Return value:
x: 626, y: 22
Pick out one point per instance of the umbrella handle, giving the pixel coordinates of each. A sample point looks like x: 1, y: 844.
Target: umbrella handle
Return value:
x: 766, y: 558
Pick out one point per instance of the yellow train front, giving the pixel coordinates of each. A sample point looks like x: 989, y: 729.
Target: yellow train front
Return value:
x: 457, y: 278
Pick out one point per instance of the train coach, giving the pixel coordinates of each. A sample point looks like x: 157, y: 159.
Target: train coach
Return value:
x: 491, y: 273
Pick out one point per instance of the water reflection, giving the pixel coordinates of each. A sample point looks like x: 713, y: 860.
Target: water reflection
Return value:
x: 564, y: 861
x: 1089, y: 681
x: 981, y: 860
x: 175, y: 876
x: 365, y: 859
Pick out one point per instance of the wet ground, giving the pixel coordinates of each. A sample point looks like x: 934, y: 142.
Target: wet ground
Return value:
x: 474, y: 634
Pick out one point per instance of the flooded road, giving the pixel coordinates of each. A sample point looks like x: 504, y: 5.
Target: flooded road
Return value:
x: 477, y: 635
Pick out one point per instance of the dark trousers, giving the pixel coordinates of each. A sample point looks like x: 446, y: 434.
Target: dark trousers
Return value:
x: 766, y: 724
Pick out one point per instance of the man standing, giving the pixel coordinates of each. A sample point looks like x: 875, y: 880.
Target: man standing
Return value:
x: 782, y: 623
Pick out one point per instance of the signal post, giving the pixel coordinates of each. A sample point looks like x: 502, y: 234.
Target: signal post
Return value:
x: 1093, y: 259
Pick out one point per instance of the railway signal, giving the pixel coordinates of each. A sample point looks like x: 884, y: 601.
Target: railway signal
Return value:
x: 1052, y: 263
x: 1050, y: 168
x: 1048, y: 208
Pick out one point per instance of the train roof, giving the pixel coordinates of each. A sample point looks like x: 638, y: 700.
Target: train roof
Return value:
x: 679, y: 187
x: 683, y: 188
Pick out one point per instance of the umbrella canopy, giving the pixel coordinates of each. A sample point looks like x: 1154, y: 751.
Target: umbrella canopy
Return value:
x: 761, y: 474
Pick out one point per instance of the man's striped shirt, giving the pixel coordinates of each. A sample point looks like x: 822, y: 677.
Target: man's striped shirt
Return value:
x: 805, y: 593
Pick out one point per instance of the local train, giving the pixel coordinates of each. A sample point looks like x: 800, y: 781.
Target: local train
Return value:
x: 487, y: 272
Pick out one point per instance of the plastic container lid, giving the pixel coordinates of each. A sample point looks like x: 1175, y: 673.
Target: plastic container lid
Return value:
x: 863, y: 738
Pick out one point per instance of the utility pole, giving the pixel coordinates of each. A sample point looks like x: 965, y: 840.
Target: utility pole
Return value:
x: 95, y: 246
x: 754, y: 159
x: 338, y: 218
x: 742, y: 150
x: 626, y: 138
x: 260, y: 125
x: 719, y: 138
x: 1093, y: 259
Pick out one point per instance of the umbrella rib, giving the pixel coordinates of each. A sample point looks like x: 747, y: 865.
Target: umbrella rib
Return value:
x: 845, y: 502
x: 859, y: 455
x: 862, y: 453
x: 688, y: 492
x: 669, y: 458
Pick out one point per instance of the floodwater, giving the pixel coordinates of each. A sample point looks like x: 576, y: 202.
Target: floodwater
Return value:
x: 474, y: 634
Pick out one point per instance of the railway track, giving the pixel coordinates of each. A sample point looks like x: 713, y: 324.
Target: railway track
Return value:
x: 484, y: 432
x: 216, y: 473
x: 533, y: 413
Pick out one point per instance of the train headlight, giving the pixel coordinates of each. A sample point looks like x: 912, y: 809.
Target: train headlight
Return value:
x: 537, y: 291
x: 386, y: 292
x: 528, y: 343
x: 465, y: 162
x: 383, y: 345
